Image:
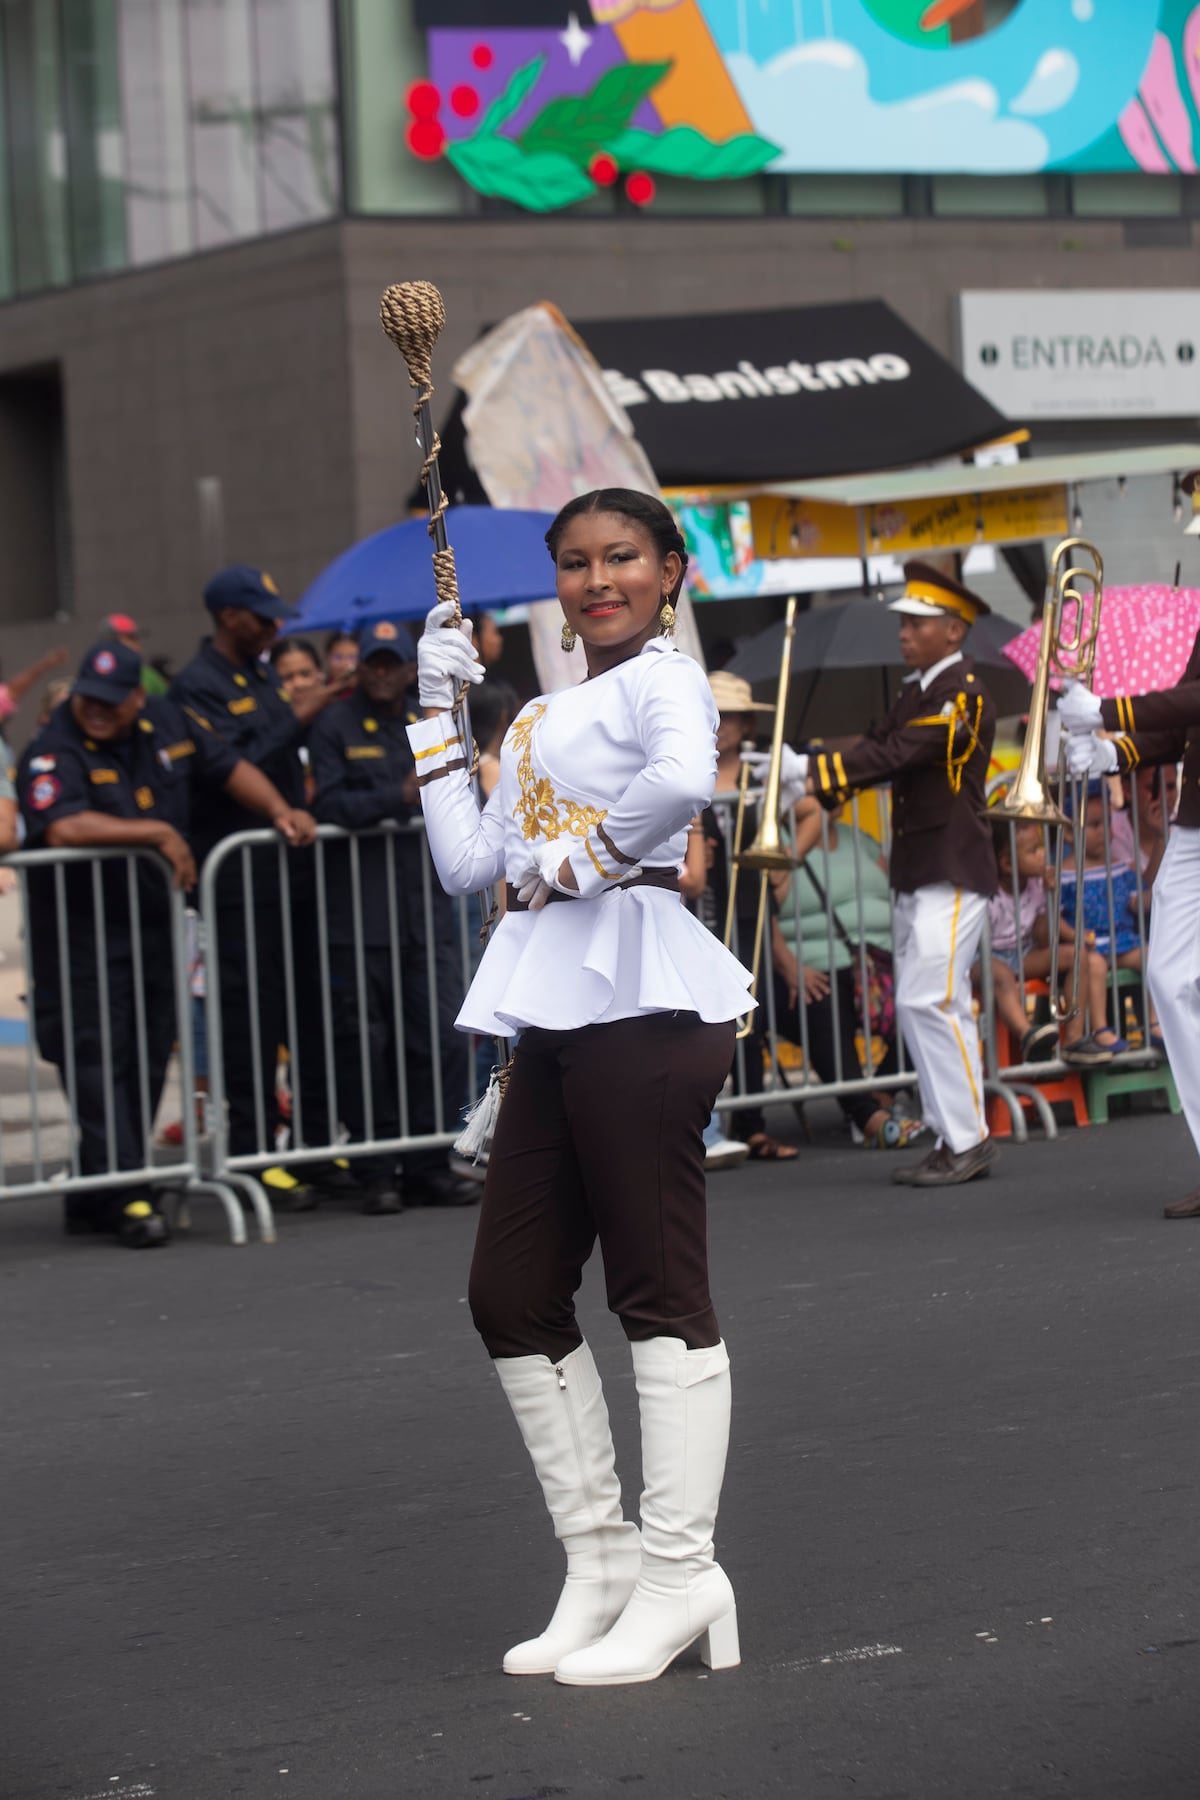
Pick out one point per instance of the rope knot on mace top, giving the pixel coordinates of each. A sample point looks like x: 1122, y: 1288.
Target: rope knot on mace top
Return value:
x: 413, y: 315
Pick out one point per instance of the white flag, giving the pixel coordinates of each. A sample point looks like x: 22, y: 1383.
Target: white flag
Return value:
x: 542, y: 427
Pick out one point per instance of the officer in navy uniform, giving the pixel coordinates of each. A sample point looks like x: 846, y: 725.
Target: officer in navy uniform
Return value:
x: 113, y: 768
x: 229, y: 684
x: 365, y: 774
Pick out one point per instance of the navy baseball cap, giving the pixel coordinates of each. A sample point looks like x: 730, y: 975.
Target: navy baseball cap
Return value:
x: 252, y: 588
x: 109, y: 672
x: 383, y: 635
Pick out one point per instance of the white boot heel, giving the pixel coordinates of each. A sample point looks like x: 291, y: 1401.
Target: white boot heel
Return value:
x: 719, y: 1647
x: 564, y: 1421
x: 683, y: 1596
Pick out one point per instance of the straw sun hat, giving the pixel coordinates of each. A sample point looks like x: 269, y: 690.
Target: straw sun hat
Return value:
x: 733, y: 694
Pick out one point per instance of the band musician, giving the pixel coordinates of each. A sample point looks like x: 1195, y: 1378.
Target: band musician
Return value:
x: 933, y: 745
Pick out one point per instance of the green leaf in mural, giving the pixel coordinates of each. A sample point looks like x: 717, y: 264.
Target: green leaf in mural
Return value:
x: 681, y: 150
x: 506, y: 104
x: 543, y: 182
x: 577, y: 125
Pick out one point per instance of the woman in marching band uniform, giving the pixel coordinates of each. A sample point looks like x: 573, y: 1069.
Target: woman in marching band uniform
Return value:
x: 625, y: 1007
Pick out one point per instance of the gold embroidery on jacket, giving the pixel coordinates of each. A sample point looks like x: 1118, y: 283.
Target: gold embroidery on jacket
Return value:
x: 541, y: 812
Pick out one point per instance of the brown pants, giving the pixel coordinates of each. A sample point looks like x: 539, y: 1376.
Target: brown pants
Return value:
x: 600, y: 1135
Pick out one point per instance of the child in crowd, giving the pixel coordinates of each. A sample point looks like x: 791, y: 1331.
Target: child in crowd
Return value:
x: 1021, y: 951
x: 1110, y: 898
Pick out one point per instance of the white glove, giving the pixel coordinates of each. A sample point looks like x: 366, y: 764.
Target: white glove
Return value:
x: 445, y: 659
x: 1089, y: 755
x: 1079, y: 708
x: 793, y: 773
x: 540, y: 878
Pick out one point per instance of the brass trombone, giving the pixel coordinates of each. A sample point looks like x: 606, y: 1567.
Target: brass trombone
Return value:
x: 768, y: 850
x: 1068, y: 650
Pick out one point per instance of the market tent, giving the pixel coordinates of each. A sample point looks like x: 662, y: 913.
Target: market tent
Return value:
x: 756, y: 397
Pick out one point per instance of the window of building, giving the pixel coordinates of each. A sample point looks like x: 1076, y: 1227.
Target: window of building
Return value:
x: 37, y: 143
x: 95, y: 146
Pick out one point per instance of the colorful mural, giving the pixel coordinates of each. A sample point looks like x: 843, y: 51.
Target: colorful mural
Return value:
x: 543, y: 104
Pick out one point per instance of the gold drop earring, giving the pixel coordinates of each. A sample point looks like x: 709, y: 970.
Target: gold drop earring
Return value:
x: 567, y: 640
x: 666, y: 618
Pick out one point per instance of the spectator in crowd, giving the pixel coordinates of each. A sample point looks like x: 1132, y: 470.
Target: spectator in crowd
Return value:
x: 227, y: 684
x: 341, y: 659
x: 824, y: 906
x: 1153, y: 818
x: 9, y: 835
x: 366, y: 776
x: 489, y: 640
x: 113, y: 768
x: 720, y: 1152
x: 738, y: 722
x: 123, y: 629
x: 298, y: 665
x: 53, y: 695
x: 1110, y: 903
x: 12, y: 692
x: 494, y: 706
x: 1021, y: 952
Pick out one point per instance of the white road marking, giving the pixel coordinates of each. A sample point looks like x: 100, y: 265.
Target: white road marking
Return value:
x: 860, y: 1654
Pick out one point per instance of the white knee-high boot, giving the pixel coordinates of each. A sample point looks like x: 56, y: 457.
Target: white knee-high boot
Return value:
x: 564, y: 1422
x: 682, y: 1594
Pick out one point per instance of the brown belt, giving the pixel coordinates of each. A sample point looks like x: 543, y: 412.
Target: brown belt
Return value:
x: 658, y: 878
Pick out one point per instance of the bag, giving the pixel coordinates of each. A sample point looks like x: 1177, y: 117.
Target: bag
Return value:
x: 880, y: 999
x: 878, y: 1004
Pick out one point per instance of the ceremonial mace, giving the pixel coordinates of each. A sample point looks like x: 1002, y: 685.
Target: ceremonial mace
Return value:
x: 413, y: 315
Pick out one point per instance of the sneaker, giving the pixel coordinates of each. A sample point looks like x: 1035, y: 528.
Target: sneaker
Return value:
x: 725, y: 1153
x: 140, y: 1227
x: 382, y: 1197
x: 286, y: 1193
x: 1039, y: 1043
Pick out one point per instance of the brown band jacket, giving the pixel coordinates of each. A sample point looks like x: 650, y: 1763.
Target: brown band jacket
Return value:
x: 1161, y: 728
x: 934, y: 746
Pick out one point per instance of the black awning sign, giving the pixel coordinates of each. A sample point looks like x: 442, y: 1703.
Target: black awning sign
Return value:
x: 748, y: 382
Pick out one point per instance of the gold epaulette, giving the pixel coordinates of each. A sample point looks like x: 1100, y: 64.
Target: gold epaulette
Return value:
x: 957, y: 715
x: 830, y: 773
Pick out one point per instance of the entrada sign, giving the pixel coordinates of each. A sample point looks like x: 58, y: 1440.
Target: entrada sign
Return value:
x: 1090, y: 354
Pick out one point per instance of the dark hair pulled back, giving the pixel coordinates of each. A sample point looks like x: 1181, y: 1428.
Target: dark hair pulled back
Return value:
x: 284, y: 646
x: 655, y: 519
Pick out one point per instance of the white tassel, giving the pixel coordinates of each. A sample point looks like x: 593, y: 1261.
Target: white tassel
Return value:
x: 475, y: 1139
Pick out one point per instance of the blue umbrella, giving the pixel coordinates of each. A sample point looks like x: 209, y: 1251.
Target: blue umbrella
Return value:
x: 500, y: 555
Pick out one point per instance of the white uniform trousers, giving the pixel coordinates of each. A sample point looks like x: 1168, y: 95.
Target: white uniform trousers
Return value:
x: 1173, y: 965
x: 936, y: 938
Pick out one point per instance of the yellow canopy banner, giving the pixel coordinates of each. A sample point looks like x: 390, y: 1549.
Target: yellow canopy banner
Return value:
x: 783, y: 527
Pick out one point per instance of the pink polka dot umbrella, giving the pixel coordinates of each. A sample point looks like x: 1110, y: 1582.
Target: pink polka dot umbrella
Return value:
x: 1146, y: 636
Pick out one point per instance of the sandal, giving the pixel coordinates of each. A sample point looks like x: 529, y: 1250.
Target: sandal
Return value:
x: 768, y: 1149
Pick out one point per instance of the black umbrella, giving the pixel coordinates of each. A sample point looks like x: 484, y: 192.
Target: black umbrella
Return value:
x: 846, y: 665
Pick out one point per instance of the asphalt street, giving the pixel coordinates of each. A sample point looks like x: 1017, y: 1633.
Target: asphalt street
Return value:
x: 266, y: 1525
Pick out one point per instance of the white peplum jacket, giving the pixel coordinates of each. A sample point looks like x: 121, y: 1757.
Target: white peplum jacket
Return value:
x: 616, y: 768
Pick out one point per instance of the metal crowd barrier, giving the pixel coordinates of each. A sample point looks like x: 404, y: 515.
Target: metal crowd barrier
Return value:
x: 279, y: 891
x: 1022, y: 1076
x: 853, y: 1074
x: 267, y: 884
x: 87, y: 981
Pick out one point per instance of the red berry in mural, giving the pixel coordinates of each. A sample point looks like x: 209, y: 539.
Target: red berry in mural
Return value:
x: 482, y: 56
x: 464, y: 101
x: 423, y: 100
x: 640, y: 188
x: 426, y: 138
x: 603, y: 170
